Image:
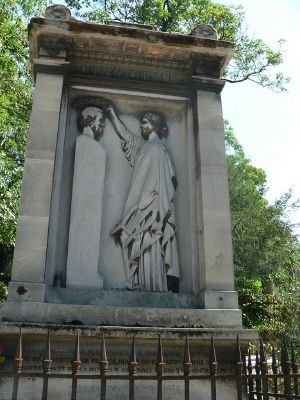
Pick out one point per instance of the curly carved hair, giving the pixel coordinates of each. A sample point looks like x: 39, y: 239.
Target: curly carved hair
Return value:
x: 158, y: 122
x: 85, y: 102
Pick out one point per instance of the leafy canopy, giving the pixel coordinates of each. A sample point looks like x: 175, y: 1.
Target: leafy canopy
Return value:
x: 253, y: 60
x: 266, y: 251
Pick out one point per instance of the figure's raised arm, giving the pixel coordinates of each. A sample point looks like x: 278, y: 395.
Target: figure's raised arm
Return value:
x: 130, y: 142
x: 118, y: 125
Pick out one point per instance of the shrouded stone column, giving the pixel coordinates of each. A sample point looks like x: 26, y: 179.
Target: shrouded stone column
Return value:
x: 86, y: 213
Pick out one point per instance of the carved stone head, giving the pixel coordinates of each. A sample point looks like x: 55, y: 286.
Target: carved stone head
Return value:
x: 91, y: 113
x: 153, y: 121
x: 92, y: 117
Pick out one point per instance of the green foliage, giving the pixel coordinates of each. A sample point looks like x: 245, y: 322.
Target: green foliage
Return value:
x: 266, y: 252
x: 253, y: 60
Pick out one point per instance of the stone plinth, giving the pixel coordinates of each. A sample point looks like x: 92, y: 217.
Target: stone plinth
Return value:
x: 143, y: 198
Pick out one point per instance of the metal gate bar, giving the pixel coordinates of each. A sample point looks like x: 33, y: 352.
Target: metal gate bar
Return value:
x: 254, y: 380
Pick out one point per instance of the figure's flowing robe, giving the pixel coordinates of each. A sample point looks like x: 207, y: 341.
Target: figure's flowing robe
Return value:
x: 147, y: 229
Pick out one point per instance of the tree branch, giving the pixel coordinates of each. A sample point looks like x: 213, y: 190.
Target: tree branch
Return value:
x: 248, y: 76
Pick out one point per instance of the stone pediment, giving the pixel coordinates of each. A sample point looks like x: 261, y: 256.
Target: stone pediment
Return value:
x: 126, y: 51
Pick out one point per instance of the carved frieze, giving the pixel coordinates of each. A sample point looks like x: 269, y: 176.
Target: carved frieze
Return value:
x: 134, y: 53
x: 54, y: 44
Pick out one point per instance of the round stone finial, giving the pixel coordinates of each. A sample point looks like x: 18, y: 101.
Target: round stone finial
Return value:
x: 204, y: 31
x: 58, y: 11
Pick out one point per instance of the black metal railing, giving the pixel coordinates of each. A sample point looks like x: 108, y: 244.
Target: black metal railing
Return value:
x: 255, y: 376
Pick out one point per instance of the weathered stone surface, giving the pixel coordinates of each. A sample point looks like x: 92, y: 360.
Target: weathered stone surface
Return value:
x: 86, y: 214
x: 132, y: 316
x: 120, y: 298
x: 69, y: 208
x: 33, y: 221
x: 131, y: 53
x: 45, y: 117
x: 58, y: 11
x: 36, y: 203
x: 118, y: 344
x: 24, y: 291
x: 30, y: 250
x: 213, y: 201
x: 204, y: 31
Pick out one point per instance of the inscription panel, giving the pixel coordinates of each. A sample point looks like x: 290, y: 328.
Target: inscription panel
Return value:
x: 118, y: 351
x: 118, y: 357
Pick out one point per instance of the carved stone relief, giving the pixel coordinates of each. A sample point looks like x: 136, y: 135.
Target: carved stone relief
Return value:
x: 87, y: 197
x: 146, y: 232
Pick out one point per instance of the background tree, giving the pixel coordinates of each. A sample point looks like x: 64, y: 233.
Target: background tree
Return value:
x: 266, y: 251
x: 253, y: 59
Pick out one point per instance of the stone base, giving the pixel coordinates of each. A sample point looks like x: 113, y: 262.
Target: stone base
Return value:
x: 118, y: 344
x: 39, y: 303
x: 49, y: 313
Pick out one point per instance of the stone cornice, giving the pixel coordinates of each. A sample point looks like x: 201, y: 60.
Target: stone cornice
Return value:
x: 133, y: 50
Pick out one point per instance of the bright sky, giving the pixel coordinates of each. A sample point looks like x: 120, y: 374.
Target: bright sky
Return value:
x: 268, y: 124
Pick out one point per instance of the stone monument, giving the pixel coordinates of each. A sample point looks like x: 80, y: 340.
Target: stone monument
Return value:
x: 124, y: 216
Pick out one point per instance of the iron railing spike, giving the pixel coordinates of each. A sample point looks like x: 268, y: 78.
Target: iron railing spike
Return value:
x: 274, y: 361
x: 262, y: 354
x: 47, y: 357
x: 285, y: 350
x: 295, y: 369
x: 132, y: 358
x: 186, y: 363
x: 160, y: 364
x: 187, y: 355
x: 293, y: 355
x: 293, y: 359
x: 160, y: 357
x: 103, y: 356
x: 77, y: 348
x: 133, y: 351
x: 245, y: 364
x: 282, y: 355
x: 18, y: 360
x: 238, y: 350
x: 76, y: 359
x: 249, y: 359
x: 256, y: 359
x: 212, y: 350
x: 213, y: 364
x: 48, y: 347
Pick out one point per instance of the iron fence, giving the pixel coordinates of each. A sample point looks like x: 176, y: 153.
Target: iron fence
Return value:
x: 255, y: 377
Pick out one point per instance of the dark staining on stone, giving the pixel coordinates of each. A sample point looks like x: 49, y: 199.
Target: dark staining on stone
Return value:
x: 73, y: 322
x: 21, y: 290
